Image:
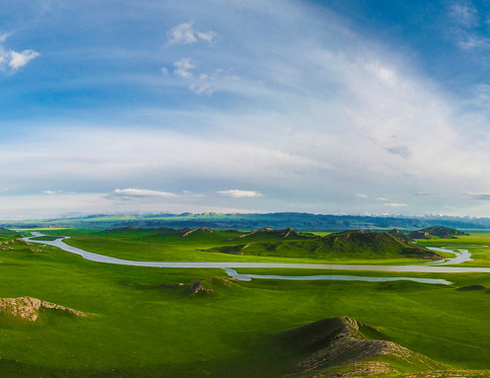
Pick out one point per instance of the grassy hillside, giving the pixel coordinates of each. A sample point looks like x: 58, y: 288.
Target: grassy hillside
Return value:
x: 340, y: 246
x: 7, y: 235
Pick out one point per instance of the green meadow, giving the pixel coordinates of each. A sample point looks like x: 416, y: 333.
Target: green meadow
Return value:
x: 147, y: 322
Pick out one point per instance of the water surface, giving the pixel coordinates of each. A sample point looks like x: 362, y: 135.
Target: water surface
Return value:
x: 248, y: 277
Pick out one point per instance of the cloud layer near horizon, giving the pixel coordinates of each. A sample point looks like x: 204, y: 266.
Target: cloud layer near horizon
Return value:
x: 284, y: 106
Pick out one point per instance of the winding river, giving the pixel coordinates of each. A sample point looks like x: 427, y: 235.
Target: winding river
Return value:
x: 437, y: 267
x: 462, y: 255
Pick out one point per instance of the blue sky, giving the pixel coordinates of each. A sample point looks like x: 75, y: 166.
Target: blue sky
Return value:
x: 338, y: 107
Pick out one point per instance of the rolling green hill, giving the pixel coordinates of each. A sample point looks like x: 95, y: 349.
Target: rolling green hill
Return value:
x: 343, y: 246
x: 343, y: 345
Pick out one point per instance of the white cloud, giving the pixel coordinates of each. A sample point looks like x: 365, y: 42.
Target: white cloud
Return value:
x: 139, y: 193
x: 235, y: 193
x: 183, y: 68
x: 4, y: 36
x: 20, y: 59
x: 395, y: 205
x: 12, y: 59
x: 184, y: 33
x: 360, y: 195
x: 51, y: 192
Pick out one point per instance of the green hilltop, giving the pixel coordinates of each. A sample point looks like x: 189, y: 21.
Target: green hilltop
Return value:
x: 436, y: 231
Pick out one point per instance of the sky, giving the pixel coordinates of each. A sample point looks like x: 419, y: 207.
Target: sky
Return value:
x: 330, y: 107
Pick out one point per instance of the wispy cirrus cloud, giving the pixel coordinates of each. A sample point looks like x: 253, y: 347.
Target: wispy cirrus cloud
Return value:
x: 202, y: 83
x: 464, y: 14
x: 210, y: 83
x: 466, y: 24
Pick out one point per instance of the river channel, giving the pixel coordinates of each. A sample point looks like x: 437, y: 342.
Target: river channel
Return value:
x: 229, y: 266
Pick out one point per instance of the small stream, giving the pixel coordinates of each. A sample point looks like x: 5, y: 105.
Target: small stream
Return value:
x: 248, y: 277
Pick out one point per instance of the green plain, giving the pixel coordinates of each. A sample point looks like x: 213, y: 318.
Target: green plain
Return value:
x: 141, y: 322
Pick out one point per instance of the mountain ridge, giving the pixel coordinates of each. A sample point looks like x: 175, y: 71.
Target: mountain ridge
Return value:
x: 255, y: 221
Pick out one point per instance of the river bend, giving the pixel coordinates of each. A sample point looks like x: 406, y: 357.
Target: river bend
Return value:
x: 224, y: 265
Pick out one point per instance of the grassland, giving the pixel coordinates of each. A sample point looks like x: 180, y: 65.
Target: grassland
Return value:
x: 146, y: 322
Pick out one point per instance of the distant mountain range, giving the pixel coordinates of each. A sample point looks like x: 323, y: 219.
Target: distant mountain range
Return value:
x: 297, y: 221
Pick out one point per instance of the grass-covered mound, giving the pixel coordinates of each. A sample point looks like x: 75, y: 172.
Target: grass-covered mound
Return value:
x: 343, y: 246
x: 471, y: 288
x: 343, y: 344
x: 7, y: 235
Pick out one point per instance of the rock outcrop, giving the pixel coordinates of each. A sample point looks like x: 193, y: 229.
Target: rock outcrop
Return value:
x: 199, y: 288
x: 29, y: 308
x: 399, y: 234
